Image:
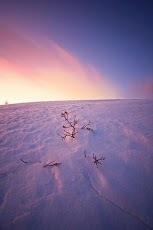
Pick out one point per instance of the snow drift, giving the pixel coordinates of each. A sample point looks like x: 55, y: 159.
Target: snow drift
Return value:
x: 76, y: 194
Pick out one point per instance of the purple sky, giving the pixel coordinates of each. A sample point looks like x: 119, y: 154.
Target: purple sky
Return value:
x: 115, y: 37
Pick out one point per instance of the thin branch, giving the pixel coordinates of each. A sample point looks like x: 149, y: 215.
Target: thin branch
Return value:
x: 53, y: 163
x: 84, y: 126
x: 23, y: 161
x: 96, y: 160
x: 87, y: 128
x: 63, y: 137
x: 70, y: 133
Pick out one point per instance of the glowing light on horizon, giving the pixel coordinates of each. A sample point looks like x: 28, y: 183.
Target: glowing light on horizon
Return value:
x: 33, y: 71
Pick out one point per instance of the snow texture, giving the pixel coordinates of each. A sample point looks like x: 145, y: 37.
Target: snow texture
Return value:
x: 76, y: 194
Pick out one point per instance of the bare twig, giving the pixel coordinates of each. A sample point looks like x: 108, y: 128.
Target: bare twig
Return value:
x: 87, y: 128
x: 63, y: 137
x: 71, y: 126
x: 84, y: 126
x: 96, y: 160
x: 53, y: 163
x: 23, y: 161
x: 71, y: 134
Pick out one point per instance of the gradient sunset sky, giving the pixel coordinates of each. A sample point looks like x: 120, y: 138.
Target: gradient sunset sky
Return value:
x: 75, y: 50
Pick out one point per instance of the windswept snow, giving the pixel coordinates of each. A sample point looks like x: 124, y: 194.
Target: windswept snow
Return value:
x: 76, y: 194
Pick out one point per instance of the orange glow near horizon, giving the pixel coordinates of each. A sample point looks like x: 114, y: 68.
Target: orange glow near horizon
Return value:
x: 30, y: 71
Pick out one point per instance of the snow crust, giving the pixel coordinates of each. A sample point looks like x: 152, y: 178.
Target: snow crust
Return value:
x: 76, y: 194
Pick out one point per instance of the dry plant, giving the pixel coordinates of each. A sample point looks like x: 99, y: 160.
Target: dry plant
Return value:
x: 97, y: 161
x: 71, y: 126
x: 23, y: 161
x: 53, y: 163
x: 86, y: 126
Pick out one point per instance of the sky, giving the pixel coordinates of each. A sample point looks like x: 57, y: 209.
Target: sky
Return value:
x: 75, y: 50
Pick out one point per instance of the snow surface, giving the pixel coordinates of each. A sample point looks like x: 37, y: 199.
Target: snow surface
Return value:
x: 76, y: 194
